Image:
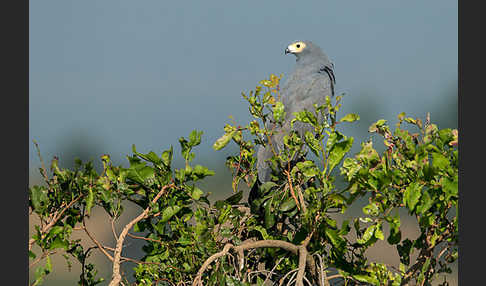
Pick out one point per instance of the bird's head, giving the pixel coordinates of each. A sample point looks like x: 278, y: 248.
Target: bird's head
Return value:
x: 302, y: 49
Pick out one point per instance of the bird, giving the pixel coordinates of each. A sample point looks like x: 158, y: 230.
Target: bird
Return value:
x: 310, y: 82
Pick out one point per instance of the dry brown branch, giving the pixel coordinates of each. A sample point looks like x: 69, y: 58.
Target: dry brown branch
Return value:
x: 98, y: 244
x: 334, y: 276
x: 53, y: 220
x: 292, y: 189
x: 302, y: 260
x: 226, y: 249
x: 251, y: 244
x: 301, y: 198
x: 116, y: 277
x: 146, y: 238
x: 113, y: 227
x: 271, y: 271
x: 287, y: 274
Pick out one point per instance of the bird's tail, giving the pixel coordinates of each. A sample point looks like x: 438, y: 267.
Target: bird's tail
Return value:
x: 263, y: 167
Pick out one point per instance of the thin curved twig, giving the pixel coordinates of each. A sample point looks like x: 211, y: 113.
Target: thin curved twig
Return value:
x: 116, y: 277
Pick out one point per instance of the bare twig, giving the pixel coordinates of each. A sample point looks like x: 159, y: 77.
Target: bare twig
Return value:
x: 294, y: 271
x: 43, y: 168
x: 116, y: 277
x: 146, y: 238
x: 301, y: 198
x: 271, y: 271
x: 113, y: 227
x: 44, y: 255
x: 323, y: 280
x: 292, y: 189
x: 100, y: 246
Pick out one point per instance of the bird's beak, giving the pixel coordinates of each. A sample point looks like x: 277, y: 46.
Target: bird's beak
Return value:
x: 287, y: 50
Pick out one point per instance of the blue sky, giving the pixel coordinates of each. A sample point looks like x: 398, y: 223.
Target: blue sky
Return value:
x: 109, y: 74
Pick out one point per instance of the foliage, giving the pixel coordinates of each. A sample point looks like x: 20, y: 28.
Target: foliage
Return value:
x: 287, y: 232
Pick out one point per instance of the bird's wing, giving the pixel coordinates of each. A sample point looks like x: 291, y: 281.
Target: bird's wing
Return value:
x: 329, y: 70
x: 306, y: 86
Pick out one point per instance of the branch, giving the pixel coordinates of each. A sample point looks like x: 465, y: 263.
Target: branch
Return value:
x: 226, y: 249
x: 146, y: 238
x: 302, y: 260
x: 101, y: 247
x: 250, y: 244
x: 116, y: 277
x: 53, y: 220
x: 44, y: 255
x: 292, y: 189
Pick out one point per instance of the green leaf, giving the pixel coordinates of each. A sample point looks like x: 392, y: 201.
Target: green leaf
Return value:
x: 312, y: 142
x: 379, y: 232
x: 234, y: 199
x: 440, y: 161
x: 395, y: 233
x: 305, y: 117
x: 334, y: 237
x: 425, y: 268
x: 184, y: 241
x: 196, y: 193
x: 426, y: 203
x: 266, y: 83
x: 366, y: 279
x: 223, y: 140
x: 371, y: 209
x: 351, y: 117
x: 410, y: 120
x: 278, y: 111
x: 267, y: 186
x: 333, y: 138
x: 55, y: 230
x: 195, y: 138
x: 308, y: 168
x: 288, y: 205
x: 446, y: 135
x: 368, y: 235
x: 167, y: 156
x: 151, y: 156
x: 377, y: 126
x: 169, y: 212
x: 337, y: 152
x: 450, y: 187
x: 412, y: 195
x: 139, y: 172
x: 139, y: 226
x: 263, y: 232
x: 38, y: 198
x: 89, y: 200
x: 401, y: 116
x: 32, y: 255
x: 350, y: 168
x: 59, y: 243
x: 269, y: 215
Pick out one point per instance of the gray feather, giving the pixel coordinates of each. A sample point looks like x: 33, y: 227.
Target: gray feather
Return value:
x: 311, y: 81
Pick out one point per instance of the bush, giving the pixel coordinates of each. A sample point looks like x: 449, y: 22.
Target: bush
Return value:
x: 286, y: 233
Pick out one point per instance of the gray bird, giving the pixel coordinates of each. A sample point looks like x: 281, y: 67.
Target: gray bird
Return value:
x: 311, y: 81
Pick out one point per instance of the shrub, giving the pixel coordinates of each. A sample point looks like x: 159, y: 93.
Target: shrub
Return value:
x: 286, y: 233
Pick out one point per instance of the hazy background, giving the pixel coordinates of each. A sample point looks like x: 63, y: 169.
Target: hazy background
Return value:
x: 108, y: 74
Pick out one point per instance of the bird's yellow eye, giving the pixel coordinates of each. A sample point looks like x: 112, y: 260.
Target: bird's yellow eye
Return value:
x: 296, y: 47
